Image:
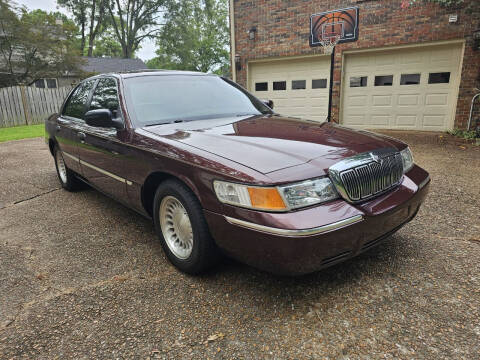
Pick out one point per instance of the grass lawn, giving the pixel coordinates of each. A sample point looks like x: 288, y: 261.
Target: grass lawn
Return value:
x: 21, y: 132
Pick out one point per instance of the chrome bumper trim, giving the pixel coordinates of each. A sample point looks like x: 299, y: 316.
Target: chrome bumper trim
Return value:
x: 424, y: 182
x: 104, y: 172
x: 71, y: 156
x: 301, y: 232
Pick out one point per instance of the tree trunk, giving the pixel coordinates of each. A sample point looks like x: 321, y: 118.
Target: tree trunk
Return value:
x: 90, y: 46
x: 91, y: 33
x: 82, y: 44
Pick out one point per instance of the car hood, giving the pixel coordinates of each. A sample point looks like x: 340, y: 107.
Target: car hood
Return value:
x: 271, y: 143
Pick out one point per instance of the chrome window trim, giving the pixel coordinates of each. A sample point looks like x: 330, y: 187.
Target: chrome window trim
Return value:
x: 104, y: 172
x: 70, y: 156
x: 295, y: 233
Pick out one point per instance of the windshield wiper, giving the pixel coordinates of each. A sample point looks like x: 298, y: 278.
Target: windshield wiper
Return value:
x: 166, y: 122
x: 238, y: 115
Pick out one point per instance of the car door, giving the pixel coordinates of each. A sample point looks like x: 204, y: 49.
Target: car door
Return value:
x: 70, y: 122
x: 101, y: 150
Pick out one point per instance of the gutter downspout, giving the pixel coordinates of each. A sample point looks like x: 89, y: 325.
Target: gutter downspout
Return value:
x: 232, y: 41
x: 471, y: 111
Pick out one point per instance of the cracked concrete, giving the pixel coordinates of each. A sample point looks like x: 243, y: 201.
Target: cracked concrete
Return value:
x: 83, y: 277
x: 26, y: 171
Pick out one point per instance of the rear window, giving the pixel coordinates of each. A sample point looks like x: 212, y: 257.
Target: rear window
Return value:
x: 164, y: 99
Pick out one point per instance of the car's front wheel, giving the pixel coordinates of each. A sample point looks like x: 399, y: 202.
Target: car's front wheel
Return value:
x: 67, y: 177
x: 182, y: 229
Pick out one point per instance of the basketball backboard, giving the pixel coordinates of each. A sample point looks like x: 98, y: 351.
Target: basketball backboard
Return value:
x: 342, y: 23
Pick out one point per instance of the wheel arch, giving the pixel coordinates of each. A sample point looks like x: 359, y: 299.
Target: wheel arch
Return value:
x: 51, y: 145
x: 152, y: 182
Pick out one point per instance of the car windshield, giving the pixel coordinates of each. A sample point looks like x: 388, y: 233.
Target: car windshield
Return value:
x: 165, y: 99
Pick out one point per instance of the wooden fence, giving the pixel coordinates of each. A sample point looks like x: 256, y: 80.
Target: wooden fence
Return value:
x: 24, y: 105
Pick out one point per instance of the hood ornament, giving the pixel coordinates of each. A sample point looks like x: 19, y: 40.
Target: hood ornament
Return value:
x: 375, y: 158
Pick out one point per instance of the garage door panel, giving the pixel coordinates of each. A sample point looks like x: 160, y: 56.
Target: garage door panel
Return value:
x: 411, y: 58
x: 280, y: 102
x: 386, y: 60
x: 409, y: 99
x: 436, y: 99
x: 434, y: 121
x: 382, y: 100
x: 406, y: 120
x: 358, y: 120
x: 381, y: 120
x: 358, y: 100
x: 421, y: 96
x: 309, y: 102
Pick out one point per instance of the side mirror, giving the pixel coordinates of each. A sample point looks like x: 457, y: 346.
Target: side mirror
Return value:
x: 102, y: 118
x: 269, y: 103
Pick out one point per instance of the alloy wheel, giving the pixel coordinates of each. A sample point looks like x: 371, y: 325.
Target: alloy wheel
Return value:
x: 176, y: 227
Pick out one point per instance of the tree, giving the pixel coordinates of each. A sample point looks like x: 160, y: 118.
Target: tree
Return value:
x: 195, y: 37
x: 90, y: 14
x: 445, y: 3
x: 34, y: 45
x: 107, y: 45
x: 134, y: 21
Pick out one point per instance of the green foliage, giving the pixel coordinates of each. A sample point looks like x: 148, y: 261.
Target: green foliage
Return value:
x: 445, y: 3
x: 464, y: 134
x: 107, y: 45
x: 21, y: 132
x: 195, y: 37
x: 33, y: 45
x: 133, y: 21
x: 90, y: 16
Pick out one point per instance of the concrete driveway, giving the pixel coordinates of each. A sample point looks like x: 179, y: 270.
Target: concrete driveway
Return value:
x: 84, y: 277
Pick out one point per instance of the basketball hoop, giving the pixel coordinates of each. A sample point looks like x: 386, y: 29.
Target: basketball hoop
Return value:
x: 329, y: 44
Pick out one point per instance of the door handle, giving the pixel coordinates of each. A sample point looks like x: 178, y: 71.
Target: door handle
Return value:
x: 81, y: 135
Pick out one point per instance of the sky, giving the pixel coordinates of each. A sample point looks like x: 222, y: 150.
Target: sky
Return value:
x: 145, y: 53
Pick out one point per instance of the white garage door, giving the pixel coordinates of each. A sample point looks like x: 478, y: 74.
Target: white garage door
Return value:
x: 413, y: 89
x: 297, y: 87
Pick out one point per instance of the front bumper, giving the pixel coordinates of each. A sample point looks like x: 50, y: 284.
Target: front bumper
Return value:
x: 305, y: 241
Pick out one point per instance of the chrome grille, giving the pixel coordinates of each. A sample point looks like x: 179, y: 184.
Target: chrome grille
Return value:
x: 367, y: 175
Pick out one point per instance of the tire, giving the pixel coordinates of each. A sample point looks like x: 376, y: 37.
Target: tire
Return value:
x: 67, y: 177
x: 178, y: 211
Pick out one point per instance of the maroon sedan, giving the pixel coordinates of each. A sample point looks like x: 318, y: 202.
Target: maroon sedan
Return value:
x: 219, y: 172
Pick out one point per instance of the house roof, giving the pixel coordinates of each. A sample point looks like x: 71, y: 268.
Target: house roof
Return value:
x: 107, y: 65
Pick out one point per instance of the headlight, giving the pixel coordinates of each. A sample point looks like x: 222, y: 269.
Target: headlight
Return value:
x: 281, y: 198
x: 407, y: 159
x: 309, y: 192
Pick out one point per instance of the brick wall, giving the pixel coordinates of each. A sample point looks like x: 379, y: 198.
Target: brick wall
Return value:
x: 283, y: 30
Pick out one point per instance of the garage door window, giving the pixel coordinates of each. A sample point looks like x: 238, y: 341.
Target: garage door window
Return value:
x: 319, y: 84
x: 279, y: 85
x: 358, y: 81
x: 299, y: 84
x: 384, y: 80
x: 410, y: 79
x: 262, y: 86
x: 439, y: 78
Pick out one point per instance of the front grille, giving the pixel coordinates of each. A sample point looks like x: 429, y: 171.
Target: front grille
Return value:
x: 367, y: 175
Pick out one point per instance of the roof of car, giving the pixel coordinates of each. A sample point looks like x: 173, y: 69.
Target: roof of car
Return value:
x: 139, y: 73
x: 129, y: 74
x: 107, y: 65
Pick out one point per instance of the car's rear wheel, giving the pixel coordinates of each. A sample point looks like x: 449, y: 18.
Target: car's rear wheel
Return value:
x: 182, y: 229
x: 67, y: 177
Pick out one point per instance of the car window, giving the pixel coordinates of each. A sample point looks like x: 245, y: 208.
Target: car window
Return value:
x: 167, y: 98
x: 76, y: 105
x: 105, y: 96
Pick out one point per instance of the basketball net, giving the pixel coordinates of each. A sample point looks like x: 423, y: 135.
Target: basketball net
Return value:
x: 329, y: 44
